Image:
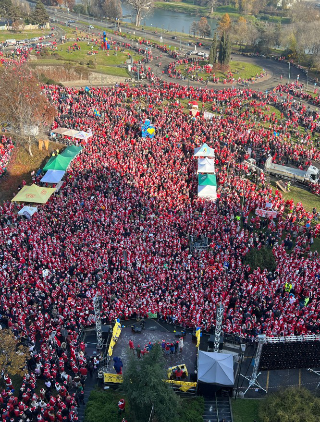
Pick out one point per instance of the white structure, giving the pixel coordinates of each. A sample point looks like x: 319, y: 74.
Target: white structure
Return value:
x: 207, y: 182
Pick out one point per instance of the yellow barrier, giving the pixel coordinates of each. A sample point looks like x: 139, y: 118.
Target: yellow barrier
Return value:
x: 115, y: 335
x: 117, y: 379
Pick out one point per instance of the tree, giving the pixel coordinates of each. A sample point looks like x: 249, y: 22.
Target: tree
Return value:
x: 224, y: 49
x: 289, y: 405
x: 194, y: 28
x: 213, y: 50
x: 144, y: 387
x: 40, y: 15
x: 204, y: 28
x: 13, y: 355
x: 239, y: 31
x: 112, y: 9
x: 224, y: 24
x: 261, y: 258
x: 24, y: 107
x: 141, y: 7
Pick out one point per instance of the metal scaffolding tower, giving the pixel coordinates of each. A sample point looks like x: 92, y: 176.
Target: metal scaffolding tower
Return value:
x: 253, y: 380
x: 217, y: 333
x: 96, y: 305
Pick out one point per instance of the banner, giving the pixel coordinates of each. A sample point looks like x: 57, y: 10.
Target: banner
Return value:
x: 207, y: 115
x: 266, y: 213
x: 151, y: 315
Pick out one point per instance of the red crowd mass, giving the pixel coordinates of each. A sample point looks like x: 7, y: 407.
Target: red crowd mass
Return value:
x: 122, y: 223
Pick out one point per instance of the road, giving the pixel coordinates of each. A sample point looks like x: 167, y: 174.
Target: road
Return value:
x: 277, y: 71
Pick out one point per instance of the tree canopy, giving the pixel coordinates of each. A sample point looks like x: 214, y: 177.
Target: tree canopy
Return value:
x: 290, y: 405
x: 40, y: 15
x: 23, y: 104
x: 143, y: 385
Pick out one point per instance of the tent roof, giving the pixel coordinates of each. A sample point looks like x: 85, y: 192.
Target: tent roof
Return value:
x: 53, y: 176
x: 28, y: 211
x: 71, y: 151
x: 34, y: 194
x: 60, y: 130
x: 58, y: 163
x: 207, y: 179
x: 209, y: 192
x: 204, y: 151
x: 70, y: 132
x: 206, y: 165
x: 215, y: 368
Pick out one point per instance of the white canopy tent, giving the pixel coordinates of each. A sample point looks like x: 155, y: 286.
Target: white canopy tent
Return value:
x: 204, y: 151
x: 27, y: 211
x: 216, y: 368
x: 207, y: 191
x: 73, y: 133
x: 206, y: 165
x: 53, y: 176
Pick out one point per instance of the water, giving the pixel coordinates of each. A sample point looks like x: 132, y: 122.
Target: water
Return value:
x: 166, y: 20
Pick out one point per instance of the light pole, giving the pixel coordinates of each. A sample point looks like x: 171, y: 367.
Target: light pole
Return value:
x: 289, y: 74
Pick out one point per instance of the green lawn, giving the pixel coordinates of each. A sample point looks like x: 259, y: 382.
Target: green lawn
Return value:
x: 181, y: 7
x: 308, y: 199
x: 245, y: 410
x: 104, y: 62
x: 9, y: 35
x: 241, y: 70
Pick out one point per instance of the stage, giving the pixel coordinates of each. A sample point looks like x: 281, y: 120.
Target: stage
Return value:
x: 153, y: 332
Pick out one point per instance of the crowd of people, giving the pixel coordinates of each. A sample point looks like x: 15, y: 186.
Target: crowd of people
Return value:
x: 6, y: 148
x: 122, y: 223
x: 195, y: 70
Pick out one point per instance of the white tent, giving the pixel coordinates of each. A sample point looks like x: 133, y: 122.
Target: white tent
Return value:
x: 28, y: 211
x: 215, y: 368
x: 83, y: 135
x: 206, y: 165
x: 53, y: 176
x: 204, y: 151
x: 73, y: 133
x: 207, y: 191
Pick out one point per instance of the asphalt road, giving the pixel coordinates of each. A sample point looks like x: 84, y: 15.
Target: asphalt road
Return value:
x: 277, y: 71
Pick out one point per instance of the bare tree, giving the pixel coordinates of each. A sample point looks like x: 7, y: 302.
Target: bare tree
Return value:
x: 141, y: 7
x: 25, y: 109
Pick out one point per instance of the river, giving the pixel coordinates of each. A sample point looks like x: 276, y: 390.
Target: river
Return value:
x: 166, y: 20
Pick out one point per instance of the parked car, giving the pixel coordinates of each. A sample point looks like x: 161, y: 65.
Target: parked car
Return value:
x: 91, y: 27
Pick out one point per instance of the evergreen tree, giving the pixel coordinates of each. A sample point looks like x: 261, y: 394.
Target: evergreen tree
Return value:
x: 144, y: 386
x: 227, y: 49
x: 213, y: 50
x: 222, y: 49
x: 40, y: 15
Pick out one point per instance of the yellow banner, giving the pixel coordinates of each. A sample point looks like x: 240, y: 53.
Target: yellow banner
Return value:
x: 115, y: 335
x: 115, y: 378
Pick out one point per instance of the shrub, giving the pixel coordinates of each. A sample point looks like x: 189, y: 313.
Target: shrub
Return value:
x: 261, y: 258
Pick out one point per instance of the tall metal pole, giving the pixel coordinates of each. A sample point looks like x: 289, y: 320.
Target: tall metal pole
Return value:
x: 289, y: 73
x: 253, y: 381
x: 96, y: 306
x: 218, y: 329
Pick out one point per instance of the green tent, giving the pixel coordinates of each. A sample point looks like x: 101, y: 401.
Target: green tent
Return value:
x: 71, y: 151
x: 58, y: 163
x: 207, y: 179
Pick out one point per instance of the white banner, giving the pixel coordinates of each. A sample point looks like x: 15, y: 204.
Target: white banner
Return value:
x: 266, y: 213
x: 207, y: 115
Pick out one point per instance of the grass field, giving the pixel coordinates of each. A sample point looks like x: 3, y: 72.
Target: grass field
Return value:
x: 9, y: 35
x: 104, y: 62
x: 241, y: 70
x: 245, y: 410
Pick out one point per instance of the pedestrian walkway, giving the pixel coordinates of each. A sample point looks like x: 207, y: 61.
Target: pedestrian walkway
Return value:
x: 217, y: 409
